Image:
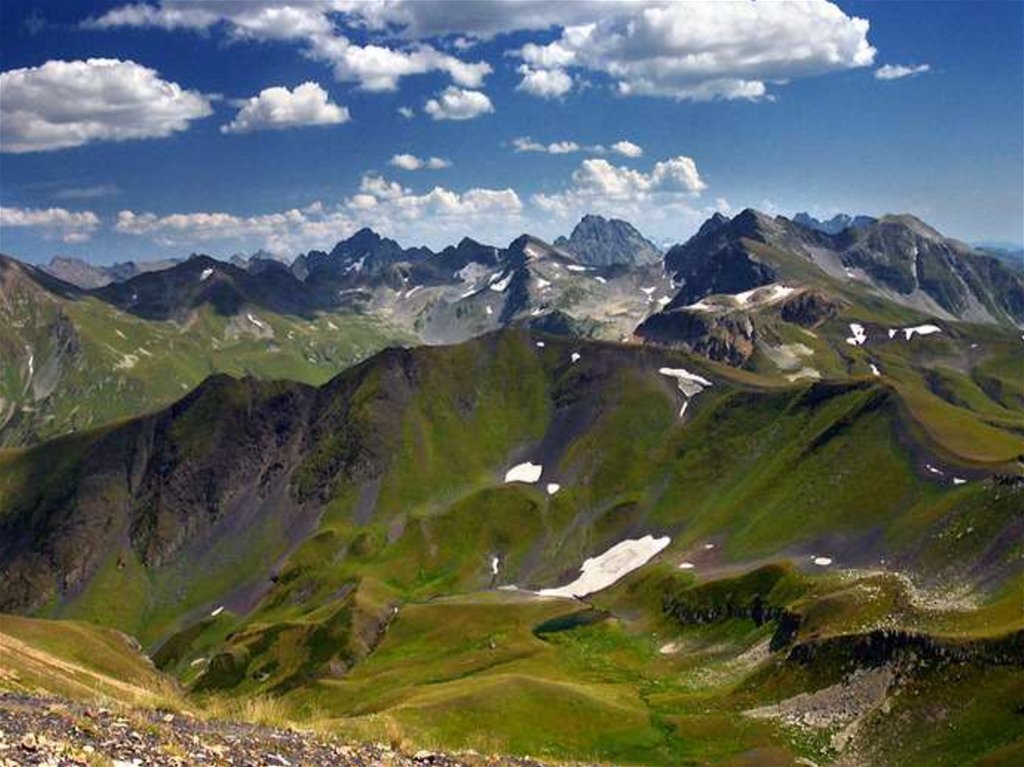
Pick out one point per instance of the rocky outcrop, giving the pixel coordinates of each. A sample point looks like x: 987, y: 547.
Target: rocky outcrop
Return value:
x: 725, y: 338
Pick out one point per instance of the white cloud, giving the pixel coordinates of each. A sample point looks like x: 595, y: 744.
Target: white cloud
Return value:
x: 70, y: 226
x: 406, y: 112
x: 64, y: 104
x: 708, y: 50
x: 899, y: 71
x: 310, y: 24
x: 458, y: 104
x: 437, y: 216
x: 627, y: 149
x: 278, y: 107
x: 602, y: 178
x: 526, y: 144
x: 660, y: 200
x: 412, y: 162
x: 544, y: 83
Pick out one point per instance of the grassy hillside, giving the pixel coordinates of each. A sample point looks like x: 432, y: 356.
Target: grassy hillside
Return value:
x: 354, y: 553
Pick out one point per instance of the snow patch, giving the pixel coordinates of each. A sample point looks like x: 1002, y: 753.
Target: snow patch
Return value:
x: 255, y: 321
x: 602, y: 571
x: 602, y: 280
x: 217, y: 612
x: 959, y: 481
x: 648, y: 291
x: 206, y: 273
x: 495, y: 561
x: 686, y: 565
x: 540, y: 344
x: 874, y: 369
x: 933, y: 470
x: 921, y: 330
x: 576, y: 268
x: 822, y: 561
x: 859, y: 335
x: 542, y: 283
x: 501, y: 285
x: 524, y: 472
x: 489, y: 310
x: 553, y: 487
x: 575, y: 357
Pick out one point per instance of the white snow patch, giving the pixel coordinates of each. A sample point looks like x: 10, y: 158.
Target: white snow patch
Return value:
x: 602, y: 280
x: 489, y: 310
x: 686, y: 565
x: 649, y: 291
x: 921, y: 330
x: 709, y: 546
x: 508, y: 587
x: 932, y: 469
x: 553, y: 487
x: 602, y: 571
x: 128, y: 361
x: 119, y: 333
x: 540, y: 344
x: 413, y: 289
x: 874, y: 369
x: 823, y: 561
x: 495, y: 561
x: 859, y: 335
x: 576, y: 268
x: 575, y: 357
x: 217, y: 612
x: 331, y: 325
x: 959, y: 481
x: 769, y: 294
x: 664, y: 301
x: 255, y: 321
x: 669, y: 649
x: 542, y: 283
x: 205, y: 274
x: 893, y: 332
x: 524, y: 472
x: 501, y: 285
x: 682, y: 374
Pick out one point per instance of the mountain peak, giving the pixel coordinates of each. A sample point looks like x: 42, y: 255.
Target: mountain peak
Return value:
x: 600, y: 241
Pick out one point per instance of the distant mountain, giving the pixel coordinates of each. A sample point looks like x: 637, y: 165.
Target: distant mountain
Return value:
x: 598, y: 241
x: 202, y: 280
x: 88, y: 276
x: 899, y: 257
x: 1012, y: 256
x: 834, y: 225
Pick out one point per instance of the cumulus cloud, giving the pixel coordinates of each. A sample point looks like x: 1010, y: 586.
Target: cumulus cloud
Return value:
x: 277, y: 108
x: 706, y: 50
x: 63, y: 104
x: 436, y: 216
x: 374, y: 67
x: 899, y: 71
x: 458, y: 104
x: 544, y: 83
x: 665, y: 194
x: 412, y: 162
x: 627, y: 149
x: 69, y: 226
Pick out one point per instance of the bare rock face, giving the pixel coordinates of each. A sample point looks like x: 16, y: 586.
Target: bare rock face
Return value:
x: 598, y: 241
x: 725, y: 338
x: 809, y: 308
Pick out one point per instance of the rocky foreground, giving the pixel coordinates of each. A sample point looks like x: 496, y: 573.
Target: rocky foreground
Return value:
x: 59, y: 733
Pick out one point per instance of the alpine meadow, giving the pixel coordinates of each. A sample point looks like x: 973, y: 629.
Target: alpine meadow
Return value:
x: 511, y: 383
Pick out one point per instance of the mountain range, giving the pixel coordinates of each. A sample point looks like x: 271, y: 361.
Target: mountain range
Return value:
x: 757, y: 500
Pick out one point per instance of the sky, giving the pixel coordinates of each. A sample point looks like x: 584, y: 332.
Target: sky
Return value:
x: 150, y: 130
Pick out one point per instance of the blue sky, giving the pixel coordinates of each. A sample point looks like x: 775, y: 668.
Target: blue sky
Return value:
x: 141, y: 131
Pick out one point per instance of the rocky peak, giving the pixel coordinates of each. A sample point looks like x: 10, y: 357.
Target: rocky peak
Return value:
x: 599, y: 241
